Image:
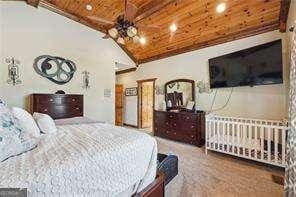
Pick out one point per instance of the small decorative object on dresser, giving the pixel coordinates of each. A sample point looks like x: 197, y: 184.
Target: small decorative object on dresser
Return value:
x: 131, y: 91
x: 13, y: 71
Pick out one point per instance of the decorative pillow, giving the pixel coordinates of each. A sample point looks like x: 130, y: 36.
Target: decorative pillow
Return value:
x: 45, y: 123
x: 26, y: 121
x: 13, y: 140
x: 2, y: 103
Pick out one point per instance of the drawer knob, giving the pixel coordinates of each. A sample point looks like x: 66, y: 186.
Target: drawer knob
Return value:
x: 175, y: 133
x: 192, y: 127
x: 77, y: 108
x: 192, y: 136
x: 45, y: 110
x: 171, y: 116
x: 175, y: 124
x: 51, y: 100
x: 167, y: 123
x: 187, y: 117
x: 167, y: 131
x: 73, y: 100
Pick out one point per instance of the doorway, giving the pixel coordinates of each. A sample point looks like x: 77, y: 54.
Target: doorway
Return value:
x: 146, y: 102
x: 118, y: 104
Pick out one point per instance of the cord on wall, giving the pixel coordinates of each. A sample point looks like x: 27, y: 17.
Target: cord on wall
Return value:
x: 214, y: 99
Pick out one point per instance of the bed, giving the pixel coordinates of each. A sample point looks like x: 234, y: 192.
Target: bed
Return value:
x: 85, y: 158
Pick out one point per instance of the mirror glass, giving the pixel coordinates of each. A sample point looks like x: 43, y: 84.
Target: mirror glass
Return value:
x: 179, y: 93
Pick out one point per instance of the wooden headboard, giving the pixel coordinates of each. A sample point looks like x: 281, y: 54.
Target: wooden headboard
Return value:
x: 57, y: 105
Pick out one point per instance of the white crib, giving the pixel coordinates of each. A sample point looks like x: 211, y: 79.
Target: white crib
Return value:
x: 259, y: 140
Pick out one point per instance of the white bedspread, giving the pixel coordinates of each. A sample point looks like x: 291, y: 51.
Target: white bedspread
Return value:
x: 84, y: 160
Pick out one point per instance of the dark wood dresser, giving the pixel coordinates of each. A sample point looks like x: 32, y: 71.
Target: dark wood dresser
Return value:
x: 57, y: 105
x: 188, y: 127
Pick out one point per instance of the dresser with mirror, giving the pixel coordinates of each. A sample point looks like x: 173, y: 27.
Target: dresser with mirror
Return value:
x: 180, y: 121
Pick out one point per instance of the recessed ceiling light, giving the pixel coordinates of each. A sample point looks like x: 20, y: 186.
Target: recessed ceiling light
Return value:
x: 173, y: 27
x: 142, y: 40
x: 221, y: 7
x: 88, y: 7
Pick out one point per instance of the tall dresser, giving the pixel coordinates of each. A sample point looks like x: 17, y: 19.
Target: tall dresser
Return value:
x: 187, y: 127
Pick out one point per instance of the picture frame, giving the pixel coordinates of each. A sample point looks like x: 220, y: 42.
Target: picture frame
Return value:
x: 131, y: 91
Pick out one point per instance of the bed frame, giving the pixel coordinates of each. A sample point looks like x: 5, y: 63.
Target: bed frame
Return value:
x: 60, y: 106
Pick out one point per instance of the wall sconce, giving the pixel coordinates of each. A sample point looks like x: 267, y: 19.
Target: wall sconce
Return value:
x: 85, y: 79
x: 203, y: 87
x: 13, y: 71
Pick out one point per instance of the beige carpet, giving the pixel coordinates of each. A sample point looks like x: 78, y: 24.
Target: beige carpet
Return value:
x: 216, y: 174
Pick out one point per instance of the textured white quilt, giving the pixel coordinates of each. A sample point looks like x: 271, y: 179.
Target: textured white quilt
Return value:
x: 84, y: 160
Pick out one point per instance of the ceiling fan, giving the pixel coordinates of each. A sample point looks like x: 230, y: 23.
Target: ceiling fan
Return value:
x: 125, y: 26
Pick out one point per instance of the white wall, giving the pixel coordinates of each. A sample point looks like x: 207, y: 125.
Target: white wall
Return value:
x: 257, y: 102
x: 27, y: 32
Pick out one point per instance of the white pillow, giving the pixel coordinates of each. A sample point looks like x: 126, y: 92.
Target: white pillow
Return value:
x: 45, y: 123
x: 26, y: 121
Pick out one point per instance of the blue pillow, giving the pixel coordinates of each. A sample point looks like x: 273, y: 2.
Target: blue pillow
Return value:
x: 13, y: 140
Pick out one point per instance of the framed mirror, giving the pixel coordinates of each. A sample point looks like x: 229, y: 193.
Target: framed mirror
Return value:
x: 180, y: 94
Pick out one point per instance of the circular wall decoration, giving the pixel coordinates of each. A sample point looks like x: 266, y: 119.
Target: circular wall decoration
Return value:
x: 56, y: 69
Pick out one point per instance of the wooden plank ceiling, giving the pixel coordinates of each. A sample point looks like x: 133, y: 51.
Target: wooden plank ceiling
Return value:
x: 199, y: 25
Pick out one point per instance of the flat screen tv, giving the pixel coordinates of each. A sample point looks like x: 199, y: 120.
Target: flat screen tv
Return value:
x: 259, y: 65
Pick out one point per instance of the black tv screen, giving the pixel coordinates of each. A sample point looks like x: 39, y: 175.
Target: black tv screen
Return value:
x: 259, y: 65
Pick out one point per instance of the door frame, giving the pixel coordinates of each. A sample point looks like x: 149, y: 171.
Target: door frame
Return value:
x: 139, y: 107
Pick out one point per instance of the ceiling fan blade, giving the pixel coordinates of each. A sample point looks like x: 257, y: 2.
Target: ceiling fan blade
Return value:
x: 149, y: 27
x: 130, y: 10
x: 100, y: 20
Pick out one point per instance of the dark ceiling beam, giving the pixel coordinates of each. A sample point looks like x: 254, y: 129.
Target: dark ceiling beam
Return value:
x: 34, y: 3
x: 53, y: 8
x: 125, y: 71
x: 228, y: 38
x: 284, y: 12
x: 151, y: 8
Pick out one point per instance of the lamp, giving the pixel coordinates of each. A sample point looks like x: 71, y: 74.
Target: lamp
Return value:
x: 113, y: 32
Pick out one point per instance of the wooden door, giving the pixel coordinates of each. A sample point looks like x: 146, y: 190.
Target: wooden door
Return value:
x: 118, y: 105
x: 147, y: 104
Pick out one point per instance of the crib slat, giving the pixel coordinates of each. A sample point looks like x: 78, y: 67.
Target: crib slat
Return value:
x: 218, y: 134
x: 227, y: 136
x: 244, y: 140
x: 214, y: 133
x: 249, y: 140
x: 238, y: 138
x: 223, y: 134
x: 276, y: 137
x: 284, y: 147
x: 255, y: 141
x: 262, y: 142
x: 232, y: 136
x: 268, y: 144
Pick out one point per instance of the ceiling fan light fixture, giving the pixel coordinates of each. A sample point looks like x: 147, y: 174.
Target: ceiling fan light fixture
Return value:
x: 221, y: 7
x: 120, y: 40
x: 131, y: 31
x: 88, y: 7
x: 173, y: 27
x: 142, y: 40
x: 113, y: 32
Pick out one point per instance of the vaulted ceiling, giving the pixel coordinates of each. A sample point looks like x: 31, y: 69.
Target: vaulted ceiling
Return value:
x: 198, y: 23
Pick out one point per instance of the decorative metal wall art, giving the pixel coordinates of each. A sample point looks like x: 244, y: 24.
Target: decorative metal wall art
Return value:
x: 56, y: 69
x: 13, y: 71
x: 131, y: 91
x: 85, y: 79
